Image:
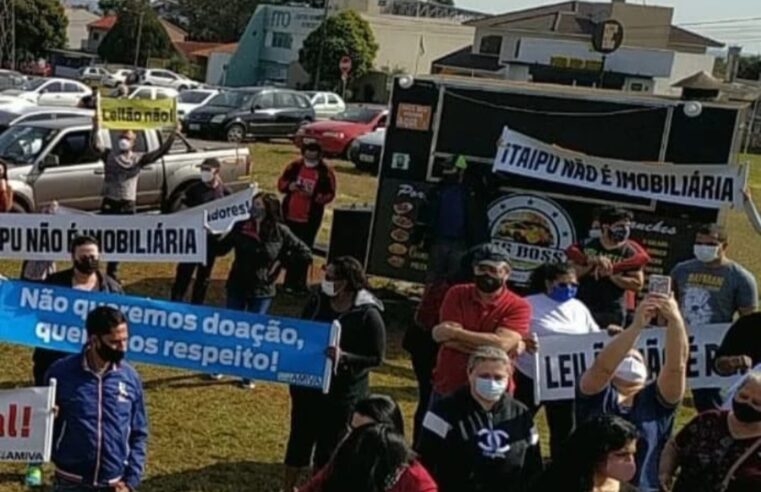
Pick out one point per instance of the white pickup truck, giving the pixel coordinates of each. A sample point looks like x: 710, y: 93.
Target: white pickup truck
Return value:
x: 52, y: 160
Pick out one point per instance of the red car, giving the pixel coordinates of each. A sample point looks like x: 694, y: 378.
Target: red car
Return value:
x: 336, y: 134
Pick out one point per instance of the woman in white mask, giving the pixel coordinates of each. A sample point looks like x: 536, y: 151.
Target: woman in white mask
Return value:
x: 598, y: 457
x: 318, y: 421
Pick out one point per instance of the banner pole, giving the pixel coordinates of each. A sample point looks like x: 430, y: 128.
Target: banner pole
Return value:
x: 50, y: 421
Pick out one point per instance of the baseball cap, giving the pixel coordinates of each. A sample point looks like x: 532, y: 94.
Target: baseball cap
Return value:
x: 489, y: 252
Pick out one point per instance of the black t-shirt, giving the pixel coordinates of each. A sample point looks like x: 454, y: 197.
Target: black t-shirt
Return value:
x: 604, y: 299
x: 200, y: 193
x: 743, y: 338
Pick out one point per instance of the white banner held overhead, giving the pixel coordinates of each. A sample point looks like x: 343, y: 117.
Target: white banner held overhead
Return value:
x: 710, y: 186
x: 563, y: 359
x: 26, y: 424
x: 224, y: 213
x: 142, y: 238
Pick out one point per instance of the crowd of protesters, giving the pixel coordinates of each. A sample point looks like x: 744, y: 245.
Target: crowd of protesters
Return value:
x: 471, y: 347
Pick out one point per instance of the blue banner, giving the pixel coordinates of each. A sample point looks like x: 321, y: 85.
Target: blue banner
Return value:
x: 197, y: 338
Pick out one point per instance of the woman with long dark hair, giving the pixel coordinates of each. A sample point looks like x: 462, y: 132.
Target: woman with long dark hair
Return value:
x: 6, y: 192
x: 378, y: 409
x: 554, y: 311
x: 319, y: 421
x: 598, y: 457
x: 373, y: 458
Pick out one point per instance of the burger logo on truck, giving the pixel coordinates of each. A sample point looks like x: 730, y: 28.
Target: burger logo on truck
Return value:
x: 533, y: 229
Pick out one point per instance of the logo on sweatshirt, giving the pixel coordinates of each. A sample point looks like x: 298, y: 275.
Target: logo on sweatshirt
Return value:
x: 494, y: 443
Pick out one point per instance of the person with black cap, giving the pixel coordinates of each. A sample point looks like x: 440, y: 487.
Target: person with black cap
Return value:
x: 207, y: 190
x: 308, y: 185
x: 452, y: 218
x: 482, y: 313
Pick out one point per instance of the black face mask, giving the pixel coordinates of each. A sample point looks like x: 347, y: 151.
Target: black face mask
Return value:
x: 107, y: 353
x: 745, y: 412
x: 619, y: 233
x: 487, y: 283
x: 87, y: 265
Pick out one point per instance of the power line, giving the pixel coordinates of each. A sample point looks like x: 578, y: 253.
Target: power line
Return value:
x: 723, y: 21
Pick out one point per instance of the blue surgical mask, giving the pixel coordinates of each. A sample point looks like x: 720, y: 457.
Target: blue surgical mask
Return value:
x: 563, y: 292
x: 490, y: 389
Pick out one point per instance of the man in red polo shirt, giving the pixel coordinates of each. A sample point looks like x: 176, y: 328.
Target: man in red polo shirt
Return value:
x: 475, y: 314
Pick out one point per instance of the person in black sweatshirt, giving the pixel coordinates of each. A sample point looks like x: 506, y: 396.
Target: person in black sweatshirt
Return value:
x: 207, y: 190
x: 319, y: 421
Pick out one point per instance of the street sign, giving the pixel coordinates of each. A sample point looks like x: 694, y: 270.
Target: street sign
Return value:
x: 345, y: 65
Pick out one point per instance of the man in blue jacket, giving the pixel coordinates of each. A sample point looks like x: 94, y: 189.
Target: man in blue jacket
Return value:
x: 101, y: 427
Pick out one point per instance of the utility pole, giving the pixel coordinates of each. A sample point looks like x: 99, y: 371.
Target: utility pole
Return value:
x: 13, y: 34
x: 139, y: 35
x: 322, y: 44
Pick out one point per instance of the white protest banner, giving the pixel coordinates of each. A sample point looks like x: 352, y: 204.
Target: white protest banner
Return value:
x: 710, y: 186
x: 224, y: 213
x: 142, y: 238
x: 26, y: 424
x: 563, y: 359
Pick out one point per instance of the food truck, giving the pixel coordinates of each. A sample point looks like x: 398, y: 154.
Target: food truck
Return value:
x: 534, y: 213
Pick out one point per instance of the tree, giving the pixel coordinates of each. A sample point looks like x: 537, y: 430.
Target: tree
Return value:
x: 120, y: 43
x: 344, y: 34
x: 109, y: 5
x: 40, y: 26
x: 212, y: 20
x: 750, y: 67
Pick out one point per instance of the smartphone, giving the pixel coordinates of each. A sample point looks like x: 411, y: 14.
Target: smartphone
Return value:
x: 660, y: 284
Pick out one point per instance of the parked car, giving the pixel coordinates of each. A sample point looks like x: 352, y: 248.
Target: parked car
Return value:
x: 93, y: 75
x: 189, y: 100
x: 10, y: 79
x: 256, y: 112
x: 335, y: 135
x: 29, y: 113
x: 150, y: 92
x: 365, y: 152
x: 52, y: 160
x: 326, y: 104
x: 50, y: 92
x: 166, y: 78
x: 120, y: 75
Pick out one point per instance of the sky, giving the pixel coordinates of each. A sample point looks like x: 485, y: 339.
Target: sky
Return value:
x: 746, y: 33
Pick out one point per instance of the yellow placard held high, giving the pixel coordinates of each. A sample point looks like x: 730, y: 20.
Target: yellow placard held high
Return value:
x: 136, y: 114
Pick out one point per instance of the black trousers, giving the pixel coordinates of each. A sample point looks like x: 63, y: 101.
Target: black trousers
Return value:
x: 109, y: 206
x: 423, y: 351
x: 560, y: 414
x: 296, y: 274
x: 318, y: 424
x: 185, y: 275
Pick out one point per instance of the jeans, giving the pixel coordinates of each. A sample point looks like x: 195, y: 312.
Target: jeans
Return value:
x: 296, y: 275
x: 257, y: 305
x: 109, y: 206
x: 60, y: 485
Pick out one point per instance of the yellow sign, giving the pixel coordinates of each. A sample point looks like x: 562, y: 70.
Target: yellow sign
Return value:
x: 136, y: 114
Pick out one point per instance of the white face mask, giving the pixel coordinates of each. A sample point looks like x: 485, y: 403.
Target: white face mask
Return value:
x: 207, y: 176
x: 328, y: 288
x: 490, y: 389
x: 595, y: 233
x: 632, y: 370
x: 125, y: 144
x: 706, y: 252
x: 311, y: 163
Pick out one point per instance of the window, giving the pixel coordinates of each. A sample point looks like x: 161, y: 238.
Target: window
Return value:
x: 319, y: 99
x: 302, y: 101
x: 282, y: 40
x: 333, y: 99
x: 53, y: 87
x: 637, y: 87
x: 37, y: 117
x: 95, y: 35
x: 266, y: 101
x: 284, y: 100
x: 74, y: 148
x: 490, y: 45
x: 179, y: 147
x: 382, y: 122
x: 69, y: 87
x: 162, y: 95
x: 143, y: 94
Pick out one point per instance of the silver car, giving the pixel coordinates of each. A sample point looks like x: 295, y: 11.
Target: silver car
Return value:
x: 10, y: 116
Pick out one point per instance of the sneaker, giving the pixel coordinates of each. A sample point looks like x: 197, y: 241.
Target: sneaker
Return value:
x: 213, y: 377
x: 247, y: 384
x: 33, y: 476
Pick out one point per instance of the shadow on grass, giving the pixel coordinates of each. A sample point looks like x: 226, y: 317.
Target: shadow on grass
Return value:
x: 396, y: 371
x: 219, y: 477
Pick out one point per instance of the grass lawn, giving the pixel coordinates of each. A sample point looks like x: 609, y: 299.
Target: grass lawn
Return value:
x: 212, y: 436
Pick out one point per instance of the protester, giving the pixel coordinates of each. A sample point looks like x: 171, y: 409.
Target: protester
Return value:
x: 598, y: 457
x: 122, y: 168
x: 84, y: 275
x: 711, y: 288
x: 718, y: 450
x: 39, y: 270
x: 475, y: 314
x: 318, y: 421
x: 555, y: 311
x: 101, y: 427
x: 308, y: 185
x: 741, y: 347
x: 373, y: 458
x: 617, y: 384
x: 452, y: 219
x: 6, y: 192
x: 262, y: 244
x: 480, y: 439
x: 601, y: 288
x: 210, y: 188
